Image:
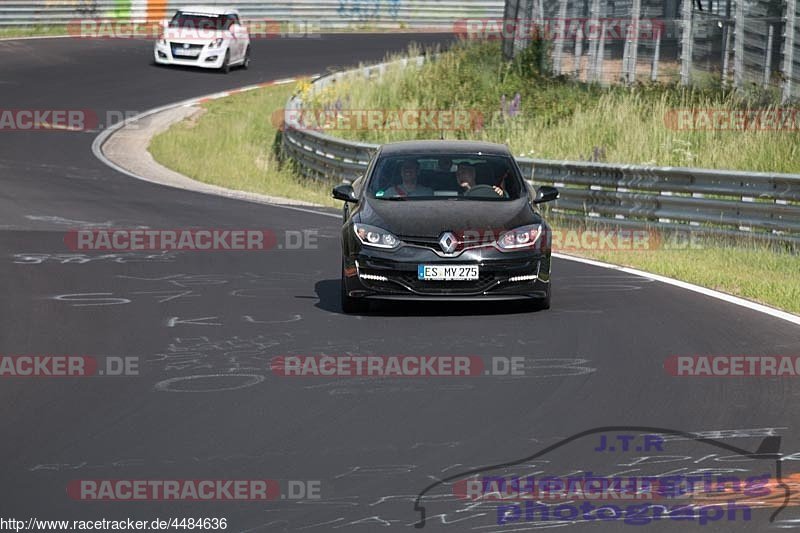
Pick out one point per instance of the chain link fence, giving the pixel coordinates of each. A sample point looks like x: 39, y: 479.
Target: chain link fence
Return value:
x: 741, y: 43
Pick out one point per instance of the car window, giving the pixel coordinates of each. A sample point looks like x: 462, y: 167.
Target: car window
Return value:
x: 197, y: 21
x: 445, y: 176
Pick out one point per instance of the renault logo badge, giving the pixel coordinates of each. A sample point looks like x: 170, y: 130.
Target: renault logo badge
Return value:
x: 448, y: 242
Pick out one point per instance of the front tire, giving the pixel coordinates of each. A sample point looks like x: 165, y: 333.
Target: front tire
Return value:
x: 246, y: 62
x: 226, y: 63
x: 351, y: 305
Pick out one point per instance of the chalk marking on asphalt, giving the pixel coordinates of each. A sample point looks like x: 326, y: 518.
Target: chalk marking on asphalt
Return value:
x: 250, y: 380
x: 174, y: 321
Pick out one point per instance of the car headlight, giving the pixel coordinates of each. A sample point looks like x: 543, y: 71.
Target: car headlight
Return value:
x: 523, y: 237
x: 377, y: 237
x: 217, y: 43
x: 162, y: 41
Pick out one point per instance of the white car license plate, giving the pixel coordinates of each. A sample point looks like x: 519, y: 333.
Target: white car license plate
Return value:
x: 186, y: 53
x: 447, y: 272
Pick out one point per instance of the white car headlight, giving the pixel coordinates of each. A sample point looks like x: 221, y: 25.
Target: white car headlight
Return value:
x: 519, y: 238
x: 377, y: 237
x: 217, y: 43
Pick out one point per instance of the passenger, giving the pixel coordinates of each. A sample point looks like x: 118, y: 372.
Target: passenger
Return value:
x: 409, y: 172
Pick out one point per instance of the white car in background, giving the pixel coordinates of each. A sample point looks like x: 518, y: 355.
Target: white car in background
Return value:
x: 204, y: 36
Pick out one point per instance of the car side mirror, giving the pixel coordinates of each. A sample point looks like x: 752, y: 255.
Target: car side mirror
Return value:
x: 345, y: 193
x: 545, y: 193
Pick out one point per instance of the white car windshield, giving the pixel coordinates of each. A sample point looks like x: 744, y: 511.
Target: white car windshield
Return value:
x: 197, y: 21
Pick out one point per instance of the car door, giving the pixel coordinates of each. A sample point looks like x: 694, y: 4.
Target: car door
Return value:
x: 240, y: 39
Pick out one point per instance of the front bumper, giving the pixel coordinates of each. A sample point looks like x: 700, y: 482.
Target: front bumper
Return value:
x: 208, y: 57
x: 376, y: 274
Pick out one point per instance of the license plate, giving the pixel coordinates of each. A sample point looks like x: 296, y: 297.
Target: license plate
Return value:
x: 447, y: 272
x: 186, y: 53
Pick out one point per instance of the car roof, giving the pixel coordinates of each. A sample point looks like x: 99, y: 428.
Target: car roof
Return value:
x: 444, y: 147
x: 208, y: 10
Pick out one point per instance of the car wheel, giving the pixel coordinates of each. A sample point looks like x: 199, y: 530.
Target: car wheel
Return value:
x: 226, y: 63
x: 246, y: 62
x: 352, y: 305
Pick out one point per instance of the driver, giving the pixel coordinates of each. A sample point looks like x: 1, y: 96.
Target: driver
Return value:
x: 465, y: 177
x: 409, y: 172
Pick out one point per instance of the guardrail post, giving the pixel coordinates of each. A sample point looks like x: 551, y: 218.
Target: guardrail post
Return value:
x: 726, y: 53
x: 594, y: 16
x: 578, y: 52
x: 738, y: 45
x: 510, y: 12
x: 560, y: 36
x: 656, y: 55
x: 788, y: 48
x: 687, y: 40
x: 540, y: 24
x: 522, y: 24
x: 632, y: 42
x: 601, y: 52
x: 768, y: 59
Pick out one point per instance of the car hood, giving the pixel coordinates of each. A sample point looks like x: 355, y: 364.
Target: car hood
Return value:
x: 430, y: 218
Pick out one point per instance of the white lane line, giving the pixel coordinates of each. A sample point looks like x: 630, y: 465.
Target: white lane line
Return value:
x: 777, y: 313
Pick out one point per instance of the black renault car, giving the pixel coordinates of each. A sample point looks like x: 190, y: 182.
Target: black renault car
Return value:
x: 444, y: 220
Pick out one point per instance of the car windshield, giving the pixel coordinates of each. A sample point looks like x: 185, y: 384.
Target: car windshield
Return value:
x: 445, y: 177
x: 198, y: 21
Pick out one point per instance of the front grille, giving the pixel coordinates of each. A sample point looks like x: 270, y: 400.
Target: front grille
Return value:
x: 484, y: 282
x: 176, y: 49
x: 402, y: 278
x: 433, y: 244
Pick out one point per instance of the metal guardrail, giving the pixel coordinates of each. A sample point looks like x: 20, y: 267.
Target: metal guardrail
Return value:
x: 327, y: 14
x: 761, y: 205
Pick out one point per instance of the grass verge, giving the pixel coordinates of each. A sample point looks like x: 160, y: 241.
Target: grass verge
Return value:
x: 232, y: 145
x: 32, y: 31
x: 558, y: 118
